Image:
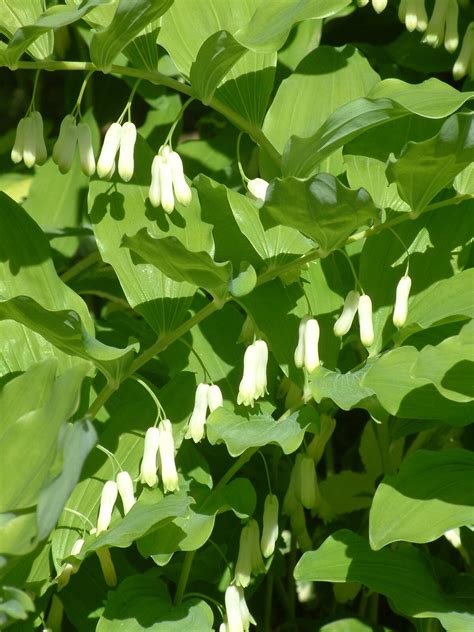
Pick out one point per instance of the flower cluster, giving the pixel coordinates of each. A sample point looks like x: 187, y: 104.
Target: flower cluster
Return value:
x: 159, y: 442
x: 167, y: 180
x: 253, y: 384
x: 378, y: 5
x: 29, y: 143
x: 118, y: 139
x: 207, y: 396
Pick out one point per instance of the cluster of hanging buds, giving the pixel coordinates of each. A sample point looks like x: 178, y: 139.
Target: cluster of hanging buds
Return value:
x: 443, y: 25
x: 118, y: 139
x: 307, y: 352
x: 413, y: 14
x: 159, y: 442
x: 378, y: 5
x: 253, y: 384
x: 72, y: 135
x: 29, y: 143
x: 207, y: 396
x: 167, y: 180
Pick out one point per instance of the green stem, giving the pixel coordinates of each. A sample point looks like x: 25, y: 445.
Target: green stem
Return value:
x: 183, y: 578
x: 241, y: 461
x: 80, y: 266
x: 267, y: 615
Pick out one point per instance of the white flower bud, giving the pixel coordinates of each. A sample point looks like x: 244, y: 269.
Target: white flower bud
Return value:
x: 421, y: 15
x: 67, y: 147
x: 258, y: 189
x: 166, y: 187
x: 29, y: 142
x: 307, y: 485
x: 270, y: 525
x: 214, y: 398
x: 107, y: 566
x: 63, y: 137
x: 41, y: 152
x: 379, y: 5
x: 435, y: 29
x: 451, y: 36
x: 195, y: 430
x: 261, y: 368
x: 17, y: 150
x: 150, y: 450
x: 362, y: 3
x: 86, y: 151
x: 126, y: 163
x: 182, y: 191
x: 465, y: 61
x: 299, y: 351
x: 400, y: 311
x: 246, y: 393
x: 70, y: 569
x: 125, y: 489
x: 366, y: 326
x: 311, y: 342
x: 107, y: 502
x: 250, y: 558
x: 233, y: 610
x: 109, y: 150
x: 155, y: 188
x: 344, y: 322
x: 169, y: 474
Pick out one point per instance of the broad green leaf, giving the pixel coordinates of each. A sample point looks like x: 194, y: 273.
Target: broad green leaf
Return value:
x: 142, y: 602
x: 325, y: 79
x: 122, y: 209
x: 15, y: 14
x: 431, y: 494
x: 321, y: 207
x: 406, y: 576
x: 351, y: 625
x: 143, y: 50
x: 240, y: 433
x: 423, y: 169
x: 101, y: 16
x: 190, y: 531
x: 389, y: 100
x: 53, y: 18
x: 130, y: 18
x: 14, y: 605
x: 344, y: 492
x: 464, y: 181
x: 173, y: 258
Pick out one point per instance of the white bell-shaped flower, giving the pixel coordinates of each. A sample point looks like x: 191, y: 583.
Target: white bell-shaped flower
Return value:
x: 299, y: 351
x: 344, y: 322
x: 249, y: 560
x: 167, y: 180
x: 65, y: 145
x: 29, y: 142
x: 150, y: 451
x: 254, y: 380
x: 182, y: 190
x: 307, y: 350
x: 169, y: 474
x: 237, y: 612
x: 379, y: 5
x: 214, y: 398
x: 110, y: 147
x: 107, y: 502
x: 436, y: 26
x: 86, y: 151
x: 17, y: 149
x: 413, y: 14
x: 125, y: 489
x: 155, y: 187
x: 166, y: 187
x: 261, y: 369
x: 41, y: 152
x: 270, y: 525
x: 400, y: 310
x: 195, y: 430
x: 126, y: 163
x: 465, y: 62
x: 258, y: 189
x: 366, y: 326
x: 451, y: 36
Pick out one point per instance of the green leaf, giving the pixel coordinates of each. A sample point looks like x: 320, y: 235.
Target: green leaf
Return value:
x: 16, y: 14
x: 431, y: 494
x: 130, y: 18
x: 142, y: 602
x: 240, y: 433
x: 53, y: 18
x: 351, y: 625
x: 14, y: 605
x: 406, y: 576
x: 325, y: 79
x: 424, y: 169
x: 321, y: 207
x: 344, y: 492
x: 171, y: 257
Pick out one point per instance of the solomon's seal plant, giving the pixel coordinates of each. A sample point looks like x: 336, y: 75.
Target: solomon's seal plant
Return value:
x: 197, y: 202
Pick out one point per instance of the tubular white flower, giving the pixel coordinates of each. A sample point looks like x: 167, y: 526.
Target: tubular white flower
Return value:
x: 344, y: 322
x: 400, y: 311
x: 299, y: 351
x: 366, y: 327
x: 155, y: 188
x: 125, y: 489
x: 86, y: 151
x: 169, y: 474
x: 246, y: 393
x: 67, y: 122
x: 436, y: 26
x: 214, y: 398
x: 107, y: 502
x: 258, y: 189
x: 250, y: 558
x: 107, y: 566
x: 181, y: 189
x: 311, y: 342
x: 41, y: 152
x: 29, y: 142
x: 307, y: 490
x: 166, y: 187
x: 465, y: 62
x: 421, y: 15
x: 17, y: 149
x: 195, y: 430
x: 270, y: 525
x: 109, y: 150
x: 451, y: 36
x: 150, y: 450
x: 232, y: 607
x: 379, y: 5
x: 261, y: 368
x: 126, y: 163
x: 66, y: 145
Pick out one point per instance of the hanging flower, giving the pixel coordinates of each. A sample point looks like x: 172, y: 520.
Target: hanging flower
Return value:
x: 169, y: 474
x: 107, y: 502
x: 126, y: 162
x: 29, y: 144
x: 270, y: 525
x: 413, y: 14
x: 86, y: 151
x: 195, y: 430
x: 306, y: 483
x: 69, y: 569
x: 125, y: 489
x: 237, y: 612
x: 366, y: 327
x: 167, y: 181
x: 150, y: 450
x: 249, y: 560
x: 110, y: 147
x: 307, y: 351
x: 254, y: 380
x: 443, y: 25
x: 258, y: 190
x: 65, y: 145
x: 465, y: 62
x: 344, y: 322
x: 214, y: 398
x: 400, y: 311
x: 378, y: 5
x: 107, y: 566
